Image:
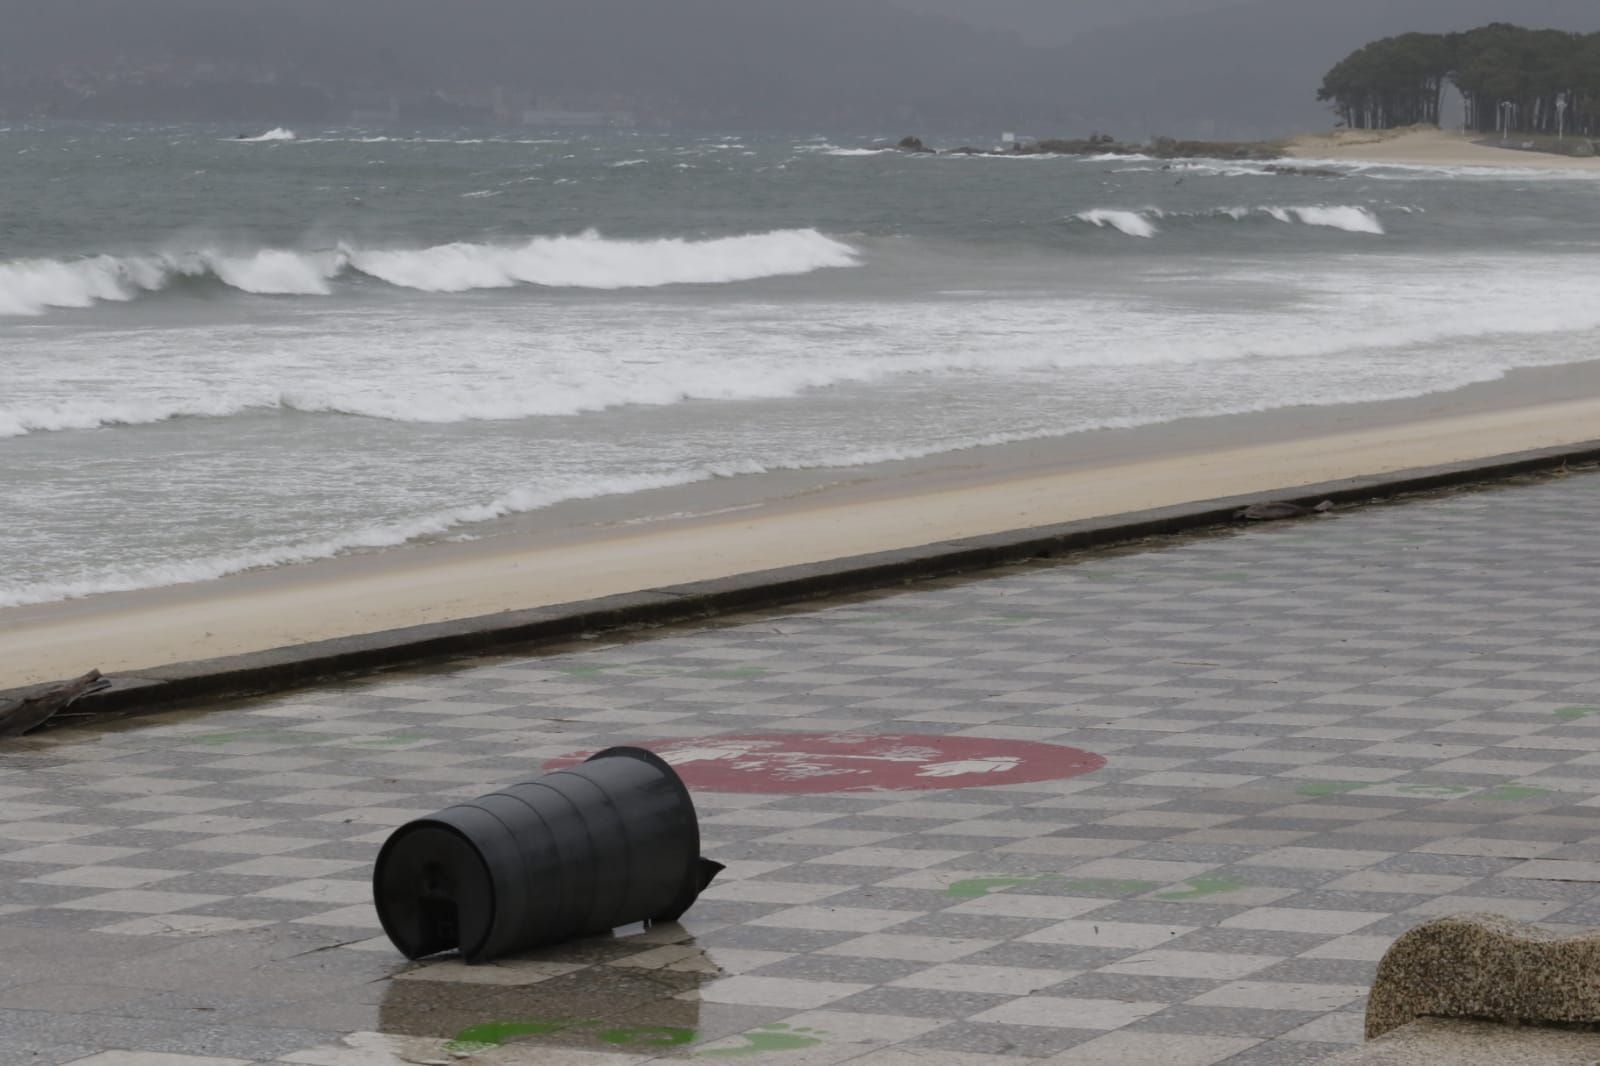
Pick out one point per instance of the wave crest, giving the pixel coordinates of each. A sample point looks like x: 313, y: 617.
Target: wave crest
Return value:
x: 279, y: 134
x: 1347, y: 217
x: 588, y: 260
x: 1132, y: 223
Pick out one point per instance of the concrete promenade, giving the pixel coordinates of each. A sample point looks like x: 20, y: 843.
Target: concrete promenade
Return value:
x: 1314, y: 734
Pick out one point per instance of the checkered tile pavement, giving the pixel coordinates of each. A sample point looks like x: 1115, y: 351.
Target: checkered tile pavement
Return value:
x: 1318, y: 734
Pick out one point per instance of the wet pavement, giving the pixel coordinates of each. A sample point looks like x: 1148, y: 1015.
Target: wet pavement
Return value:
x: 1289, y: 745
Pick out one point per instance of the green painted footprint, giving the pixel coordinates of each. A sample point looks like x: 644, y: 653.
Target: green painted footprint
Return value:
x: 1515, y: 792
x: 775, y: 1037
x: 493, y: 1034
x: 1572, y: 714
x: 389, y: 741
x: 977, y: 887
x: 1100, y: 886
x: 1328, y: 788
x: 1439, y: 791
x: 1201, y: 887
x: 649, y: 1036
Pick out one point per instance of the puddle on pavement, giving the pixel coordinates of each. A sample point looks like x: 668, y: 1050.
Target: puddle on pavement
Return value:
x: 619, y: 994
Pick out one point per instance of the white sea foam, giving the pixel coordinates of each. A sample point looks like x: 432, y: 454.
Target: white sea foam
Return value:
x: 1388, y: 171
x: 1348, y: 217
x: 377, y: 536
x: 1341, y: 217
x: 591, y: 261
x: 1132, y: 223
x: 279, y: 134
x: 270, y: 272
x: 588, y: 260
x: 1092, y: 363
x: 859, y: 151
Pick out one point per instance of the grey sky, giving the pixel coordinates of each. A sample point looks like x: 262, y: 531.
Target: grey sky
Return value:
x: 1136, y: 68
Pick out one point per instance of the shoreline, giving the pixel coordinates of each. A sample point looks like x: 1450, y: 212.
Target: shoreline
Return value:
x: 595, y: 548
x: 1426, y: 147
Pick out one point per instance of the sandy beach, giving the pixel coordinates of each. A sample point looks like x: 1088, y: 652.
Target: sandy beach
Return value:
x: 736, y: 525
x: 1426, y: 147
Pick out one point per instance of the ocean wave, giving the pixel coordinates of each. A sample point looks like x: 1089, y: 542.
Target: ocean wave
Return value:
x: 1142, y: 223
x: 279, y: 134
x: 592, y: 262
x: 1392, y: 171
x: 588, y: 260
x: 1349, y: 219
x: 100, y: 414
x: 386, y: 535
x: 1133, y: 223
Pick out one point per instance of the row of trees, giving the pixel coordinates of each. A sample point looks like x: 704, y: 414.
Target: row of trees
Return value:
x: 1513, y: 79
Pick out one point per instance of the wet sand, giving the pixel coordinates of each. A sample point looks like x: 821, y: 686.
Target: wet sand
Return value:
x: 622, y: 544
x: 1427, y: 147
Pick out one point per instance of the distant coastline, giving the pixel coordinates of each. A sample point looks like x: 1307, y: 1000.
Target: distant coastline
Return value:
x: 1427, y: 146
x: 1408, y: 146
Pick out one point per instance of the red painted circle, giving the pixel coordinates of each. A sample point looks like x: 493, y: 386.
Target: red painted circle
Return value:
x: 859, y: 762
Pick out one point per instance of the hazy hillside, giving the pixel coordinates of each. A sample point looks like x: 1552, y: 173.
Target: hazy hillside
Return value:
x: 1253, y: 69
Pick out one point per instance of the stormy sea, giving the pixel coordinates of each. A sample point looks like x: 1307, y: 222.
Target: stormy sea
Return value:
x: 219, y: 352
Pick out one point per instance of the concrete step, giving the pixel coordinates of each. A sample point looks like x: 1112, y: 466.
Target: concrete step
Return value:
x: 1454, y: 1042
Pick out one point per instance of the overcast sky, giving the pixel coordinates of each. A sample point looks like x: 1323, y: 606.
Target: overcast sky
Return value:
x: 1058, y: 21
x: 1136, y: 68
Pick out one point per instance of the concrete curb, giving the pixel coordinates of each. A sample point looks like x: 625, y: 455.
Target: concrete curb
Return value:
x: 1482, y: 966
x: 281, y: 669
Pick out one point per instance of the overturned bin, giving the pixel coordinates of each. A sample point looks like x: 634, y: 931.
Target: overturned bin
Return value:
x: 577, y: 852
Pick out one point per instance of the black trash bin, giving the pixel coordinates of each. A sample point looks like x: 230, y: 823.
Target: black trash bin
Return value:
x: 577, y: 852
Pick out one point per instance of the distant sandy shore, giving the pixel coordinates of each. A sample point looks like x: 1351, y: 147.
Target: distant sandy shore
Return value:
x: 1427, y: 147
x: 737, y: 525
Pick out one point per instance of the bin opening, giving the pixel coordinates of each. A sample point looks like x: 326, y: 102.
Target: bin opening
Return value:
x: 440, y: 920
x: 428, y: 890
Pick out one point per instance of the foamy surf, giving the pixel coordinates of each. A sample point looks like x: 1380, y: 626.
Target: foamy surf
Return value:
x: 1349, y: 218
x: 588, y: 260
x: 279, y: 134
x: 1133, y: 223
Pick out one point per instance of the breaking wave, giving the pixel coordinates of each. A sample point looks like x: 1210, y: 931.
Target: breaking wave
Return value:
x: 1349, y: 219
x: 588, y: 260
x: 1132, y: 223
x: 1143, y: 223
x: 279, y: 134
